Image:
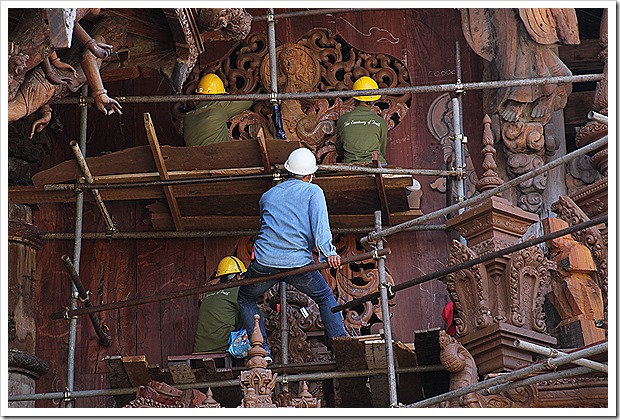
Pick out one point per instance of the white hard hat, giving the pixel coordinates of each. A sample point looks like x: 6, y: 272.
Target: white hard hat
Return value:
x: 301, y: 162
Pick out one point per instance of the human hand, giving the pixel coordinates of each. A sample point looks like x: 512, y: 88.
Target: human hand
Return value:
x: 334, y: 261
x: 41, y: 123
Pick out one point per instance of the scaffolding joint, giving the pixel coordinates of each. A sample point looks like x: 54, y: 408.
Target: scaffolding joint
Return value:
x: 376, y: 256
x: 110, y: 231
x: 458, y: 88
x: 273, y: 97
x: 549, y: 365
x: 84, y: 299
x: 66, y: 395
x: 82, y: 101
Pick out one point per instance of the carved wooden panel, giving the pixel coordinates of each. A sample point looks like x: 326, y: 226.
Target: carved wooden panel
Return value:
x: 319, y: 61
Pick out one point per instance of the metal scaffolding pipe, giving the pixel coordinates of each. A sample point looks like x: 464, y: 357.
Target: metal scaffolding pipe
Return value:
x: 373, y: 236
x: 89, y: 178
x: 385, y: 312
x: 214, y: 287
x: 311, y: 12
x: 77, y: 251
x: 343, y: 167
x: 567, y: 373
x: 549, y: 352
x: 204, y: 234
x: 447, y: 87
x: 104, y: 337
x: 97, y: 185
x: 517, y: 374
x: 487, y: 257
x: 283, y: 323
x: 227, y: 382
x: 595, y: 116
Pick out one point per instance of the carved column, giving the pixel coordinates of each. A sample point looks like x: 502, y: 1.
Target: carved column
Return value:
x: 24, y: 241
x: 500, y: 300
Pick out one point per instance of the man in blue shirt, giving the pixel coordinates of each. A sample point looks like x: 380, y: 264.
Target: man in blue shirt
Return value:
x: 293, y: 222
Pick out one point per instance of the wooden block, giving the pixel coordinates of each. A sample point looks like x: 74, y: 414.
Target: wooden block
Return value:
x: 182, y: 372
x: 137, y: 370
x: 116, y: 372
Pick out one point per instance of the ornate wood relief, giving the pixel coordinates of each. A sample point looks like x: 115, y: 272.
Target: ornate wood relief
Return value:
x: 522, y: 49
x: 590, y: 237
x: 439, y: 121
x: 571, y: 392
x: 161, y: 395
x: 257, y: 383
x: 348, y: 283
x: 319, y: 61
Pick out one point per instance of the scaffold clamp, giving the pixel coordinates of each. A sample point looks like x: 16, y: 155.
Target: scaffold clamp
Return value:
x: 66, y: 395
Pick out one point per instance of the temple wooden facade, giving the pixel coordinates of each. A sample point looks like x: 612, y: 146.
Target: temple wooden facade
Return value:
x: 552, y: 297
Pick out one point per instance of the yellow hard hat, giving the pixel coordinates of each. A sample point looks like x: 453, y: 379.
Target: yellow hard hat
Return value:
x: 210, y: 84
x: 365, y: 83
x: 229, y: 265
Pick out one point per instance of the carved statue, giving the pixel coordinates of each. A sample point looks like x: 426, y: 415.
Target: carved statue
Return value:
x: 38, y: 88
x: 519, y: 43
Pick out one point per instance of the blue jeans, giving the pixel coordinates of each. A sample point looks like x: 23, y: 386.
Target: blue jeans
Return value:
x: 312, y: 284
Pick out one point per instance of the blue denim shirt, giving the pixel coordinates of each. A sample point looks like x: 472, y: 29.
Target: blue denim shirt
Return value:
x: 293, y: 221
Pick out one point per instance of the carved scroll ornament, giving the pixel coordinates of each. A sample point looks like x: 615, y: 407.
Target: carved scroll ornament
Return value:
x: 319, y: 61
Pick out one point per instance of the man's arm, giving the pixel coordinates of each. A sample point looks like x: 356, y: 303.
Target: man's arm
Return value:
x: 319, y: 223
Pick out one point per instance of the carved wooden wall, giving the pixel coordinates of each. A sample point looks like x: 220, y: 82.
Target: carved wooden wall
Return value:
x: 421, y: 39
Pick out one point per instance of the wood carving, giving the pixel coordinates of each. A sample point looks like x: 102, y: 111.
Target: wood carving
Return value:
x: 313, y: 63
x: 571, y: 392
x: 522, y: 49
x: 348, y: 283
x: 257, y: 383
x: 594, y: 130
x: 574, y: 294
x: 591, y: 237
x: 161, y: 395
x: 37, y: 89
x: 439, y: 121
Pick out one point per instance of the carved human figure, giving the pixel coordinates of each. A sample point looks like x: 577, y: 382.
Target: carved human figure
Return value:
x: 37, y: 90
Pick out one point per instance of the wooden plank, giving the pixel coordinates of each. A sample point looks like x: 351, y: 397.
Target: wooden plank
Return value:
x: 163, y: 171
x: 181, y: 372
x: 137, y: 370
x: 385, y: 209
x: 138, y: 159
x: 116, y: 372
x: 263, y: 150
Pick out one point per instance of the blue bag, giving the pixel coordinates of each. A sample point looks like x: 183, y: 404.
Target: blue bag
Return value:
x: 239, y: 344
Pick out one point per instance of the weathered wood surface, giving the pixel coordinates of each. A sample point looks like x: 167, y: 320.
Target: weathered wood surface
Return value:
x: 234, y: 154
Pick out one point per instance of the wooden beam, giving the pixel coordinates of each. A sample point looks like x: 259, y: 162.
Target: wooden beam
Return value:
x: 163, y: 172
x: 263, y: 150
x: 381, y: 190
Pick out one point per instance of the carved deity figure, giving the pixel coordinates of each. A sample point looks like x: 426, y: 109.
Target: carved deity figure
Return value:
x: 520, y: 44
x: 38, y: 83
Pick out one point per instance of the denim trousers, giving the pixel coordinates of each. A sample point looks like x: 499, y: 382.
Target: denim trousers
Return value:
x: 312, y: 284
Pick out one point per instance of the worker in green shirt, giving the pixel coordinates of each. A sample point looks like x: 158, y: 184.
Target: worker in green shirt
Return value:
x: 361, y: 132
x: 208, y: 123
x: 219, y: 312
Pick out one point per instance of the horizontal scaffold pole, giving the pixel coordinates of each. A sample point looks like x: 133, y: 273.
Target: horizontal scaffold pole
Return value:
x: 374, y: 236
x: 447, y: 87
x: 515, y: 375
x: 203, y: 233
x: 487, y: 257
x: 226, y: 383
x: 214, y: 287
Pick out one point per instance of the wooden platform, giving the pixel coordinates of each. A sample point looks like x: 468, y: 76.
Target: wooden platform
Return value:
x: 241, y: 173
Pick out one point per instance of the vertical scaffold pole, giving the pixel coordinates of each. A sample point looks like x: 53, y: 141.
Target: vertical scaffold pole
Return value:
x: 277, y: 122
x: 385, y: 312
x: 459, y: 138
x: 77, y: 251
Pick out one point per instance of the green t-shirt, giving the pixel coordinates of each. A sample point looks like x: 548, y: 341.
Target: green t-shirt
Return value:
x: 359, y: 133
x: 218, y: 317
x: 207, y: 124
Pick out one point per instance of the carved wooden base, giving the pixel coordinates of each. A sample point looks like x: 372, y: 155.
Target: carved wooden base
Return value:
x: 493, y: 348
